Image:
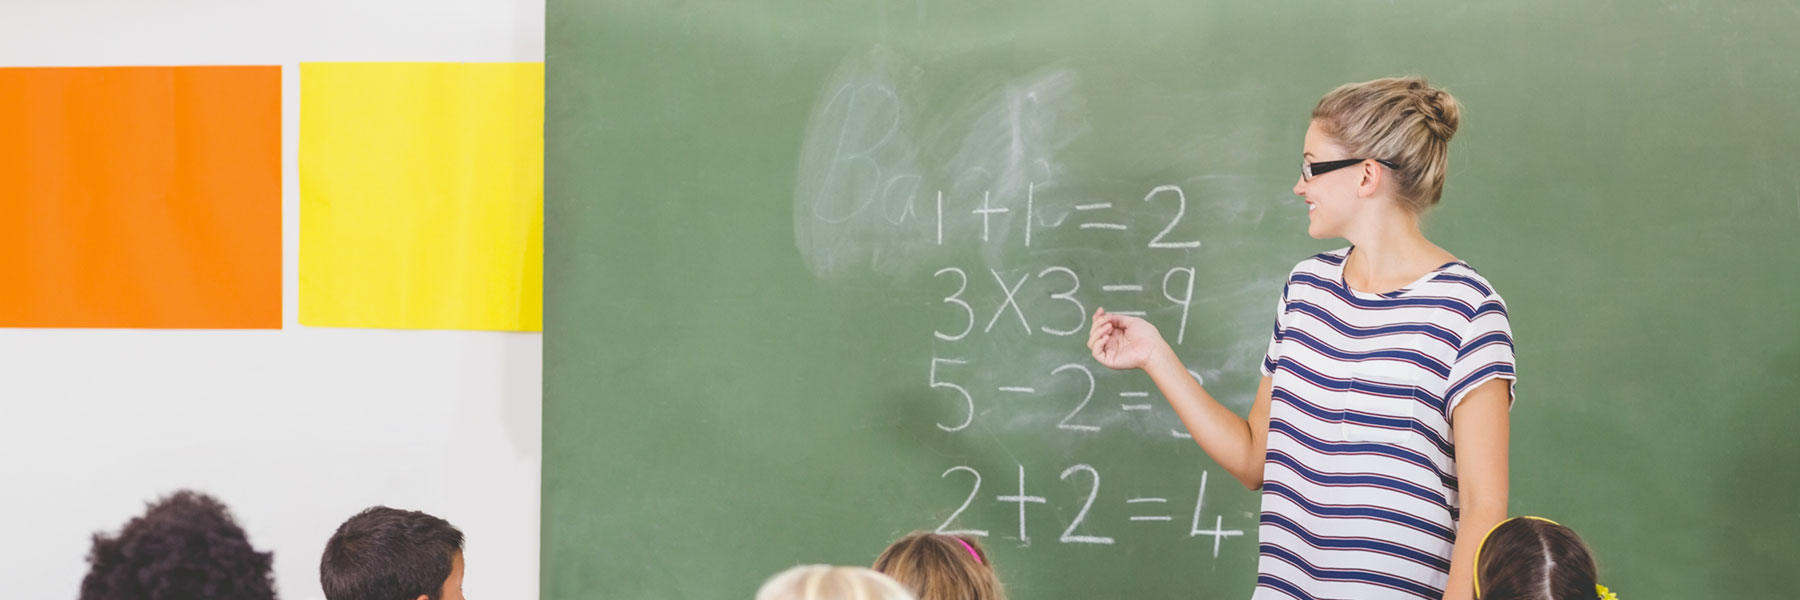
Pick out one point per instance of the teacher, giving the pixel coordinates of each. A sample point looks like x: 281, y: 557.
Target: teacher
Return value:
x: 1379, y: 433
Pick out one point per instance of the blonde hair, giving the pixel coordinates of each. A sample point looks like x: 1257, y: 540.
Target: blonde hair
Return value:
x: 1399, y: 119
x: 826, y: 582
x: 941, y: 567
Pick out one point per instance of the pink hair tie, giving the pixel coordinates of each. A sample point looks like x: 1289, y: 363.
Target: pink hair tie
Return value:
x: 971, y: 550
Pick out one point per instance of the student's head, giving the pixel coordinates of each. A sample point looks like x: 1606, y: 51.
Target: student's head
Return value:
x: 825, y: 582
x: 1528, y: 558
x: 1401, y: 127
x: 185, y: 547
x: 390, y: 554
x: 941, y: 567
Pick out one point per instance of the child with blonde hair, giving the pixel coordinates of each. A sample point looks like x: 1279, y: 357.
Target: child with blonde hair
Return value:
x: 826, y: 582
x: 941, y: 567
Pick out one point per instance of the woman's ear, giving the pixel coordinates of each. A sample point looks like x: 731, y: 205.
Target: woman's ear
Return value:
x: 1372, y: 173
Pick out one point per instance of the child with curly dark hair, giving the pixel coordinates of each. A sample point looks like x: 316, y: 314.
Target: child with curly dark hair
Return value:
x: 185, y: 547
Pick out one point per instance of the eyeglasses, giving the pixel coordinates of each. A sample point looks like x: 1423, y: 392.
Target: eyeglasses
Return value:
x: 1309, y: 170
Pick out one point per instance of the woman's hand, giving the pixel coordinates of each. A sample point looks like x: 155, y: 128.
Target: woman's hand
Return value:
x: 1123, y: 342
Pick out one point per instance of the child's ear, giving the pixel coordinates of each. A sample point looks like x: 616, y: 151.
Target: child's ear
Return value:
x: 425, y: 597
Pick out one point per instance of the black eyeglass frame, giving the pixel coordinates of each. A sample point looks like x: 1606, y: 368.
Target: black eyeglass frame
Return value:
x: 1309, y: 170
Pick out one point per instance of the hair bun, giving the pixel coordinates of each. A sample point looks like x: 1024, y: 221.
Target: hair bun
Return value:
x: 1402, y: 119
x: 1442, y: 112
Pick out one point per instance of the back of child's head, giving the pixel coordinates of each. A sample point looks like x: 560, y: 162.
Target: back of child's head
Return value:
x: 1531, y: 558
x: 826, y: 582
x: 389, y: 554
x: 941, y: 567
x: 185, y: 547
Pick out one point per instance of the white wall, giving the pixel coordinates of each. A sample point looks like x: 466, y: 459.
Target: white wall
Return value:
x: 294, y: 429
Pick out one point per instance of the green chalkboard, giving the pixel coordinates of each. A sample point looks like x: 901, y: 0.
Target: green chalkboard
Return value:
x: 808, y: 264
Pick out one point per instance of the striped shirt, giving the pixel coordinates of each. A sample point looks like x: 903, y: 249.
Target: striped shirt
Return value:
x: 1359, y: 484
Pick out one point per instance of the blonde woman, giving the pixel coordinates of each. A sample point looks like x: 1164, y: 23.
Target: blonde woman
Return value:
x: 1379, y: 433
x: 825, y: 582
x: 941, y: 567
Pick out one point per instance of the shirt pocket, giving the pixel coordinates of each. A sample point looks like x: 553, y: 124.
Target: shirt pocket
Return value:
x: 1383, y: 398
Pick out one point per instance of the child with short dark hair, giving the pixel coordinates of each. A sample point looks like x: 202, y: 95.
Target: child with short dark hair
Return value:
x: 390, y: 554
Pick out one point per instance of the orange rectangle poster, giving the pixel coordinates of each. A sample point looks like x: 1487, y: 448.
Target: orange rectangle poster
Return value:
x: 140, y: 197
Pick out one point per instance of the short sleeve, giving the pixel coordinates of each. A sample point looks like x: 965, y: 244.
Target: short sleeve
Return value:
x: 1486, y: 353
x: 1274, y: 353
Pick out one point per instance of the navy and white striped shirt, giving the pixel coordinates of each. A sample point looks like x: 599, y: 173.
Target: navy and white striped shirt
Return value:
x: 1359, y: 488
